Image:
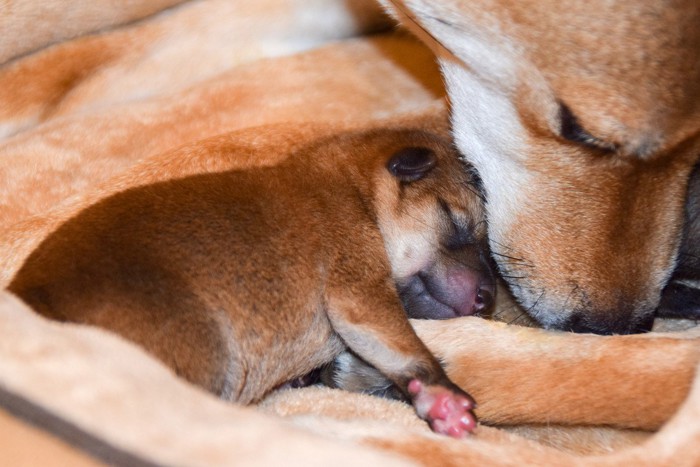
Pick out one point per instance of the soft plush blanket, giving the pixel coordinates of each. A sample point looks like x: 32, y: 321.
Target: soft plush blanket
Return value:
x: 98, y: 96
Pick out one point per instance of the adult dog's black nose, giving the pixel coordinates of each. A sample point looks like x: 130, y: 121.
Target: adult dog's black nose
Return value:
x: 607, y: 323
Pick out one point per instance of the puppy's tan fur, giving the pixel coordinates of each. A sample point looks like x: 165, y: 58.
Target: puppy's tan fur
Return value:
x: 245, y: 279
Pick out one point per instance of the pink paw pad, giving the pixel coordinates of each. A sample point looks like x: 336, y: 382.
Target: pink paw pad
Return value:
x: 447, y: 412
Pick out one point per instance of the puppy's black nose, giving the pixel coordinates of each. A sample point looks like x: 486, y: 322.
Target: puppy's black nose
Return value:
x: 607, y: 323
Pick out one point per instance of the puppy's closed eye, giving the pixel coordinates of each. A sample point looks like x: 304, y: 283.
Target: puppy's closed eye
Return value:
x: 411, y: 164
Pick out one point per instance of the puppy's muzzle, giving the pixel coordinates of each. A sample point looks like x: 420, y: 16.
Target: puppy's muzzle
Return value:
x: 441, y: 292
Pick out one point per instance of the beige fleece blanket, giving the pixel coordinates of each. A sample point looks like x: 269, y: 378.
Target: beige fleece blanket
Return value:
x: 97, y: 96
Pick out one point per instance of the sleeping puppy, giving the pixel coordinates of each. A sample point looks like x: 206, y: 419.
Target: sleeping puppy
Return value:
x: 680, y: 299
x: 243, y: 280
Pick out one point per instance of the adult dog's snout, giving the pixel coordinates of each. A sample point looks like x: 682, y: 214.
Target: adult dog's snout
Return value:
x: 604, y: 252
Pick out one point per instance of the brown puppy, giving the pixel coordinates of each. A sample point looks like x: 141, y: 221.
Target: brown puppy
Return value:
x: 243, y: 280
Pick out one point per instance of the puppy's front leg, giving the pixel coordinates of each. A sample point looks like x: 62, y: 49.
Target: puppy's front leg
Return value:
x: 376, y: 328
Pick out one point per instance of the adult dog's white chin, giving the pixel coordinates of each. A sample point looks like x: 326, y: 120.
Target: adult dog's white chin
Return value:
x: 572, y: 310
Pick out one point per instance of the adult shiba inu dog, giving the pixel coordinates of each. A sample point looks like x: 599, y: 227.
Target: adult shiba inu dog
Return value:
x: 245, y: 279
x: 584, y: 123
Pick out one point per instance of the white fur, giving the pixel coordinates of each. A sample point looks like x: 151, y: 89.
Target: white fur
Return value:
x: 480, y: 70
x: 409, y: 251
x: 11, y: 127
x: 488, y: 133
x: 481, y: 46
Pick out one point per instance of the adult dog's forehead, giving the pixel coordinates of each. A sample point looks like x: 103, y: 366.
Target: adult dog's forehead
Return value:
x: 624, y: 72
x: 617, y: 43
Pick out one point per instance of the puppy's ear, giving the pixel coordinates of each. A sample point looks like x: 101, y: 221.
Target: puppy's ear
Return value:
x: 411, y: 164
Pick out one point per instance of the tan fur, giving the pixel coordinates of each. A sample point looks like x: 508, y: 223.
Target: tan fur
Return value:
x: 581, y: 368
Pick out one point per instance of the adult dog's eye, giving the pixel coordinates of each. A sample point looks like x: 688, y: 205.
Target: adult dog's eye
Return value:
x: 411, y: 164
x: 572, y: 130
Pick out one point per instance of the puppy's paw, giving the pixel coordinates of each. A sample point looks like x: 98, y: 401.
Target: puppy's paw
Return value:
x: 446, y: 411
